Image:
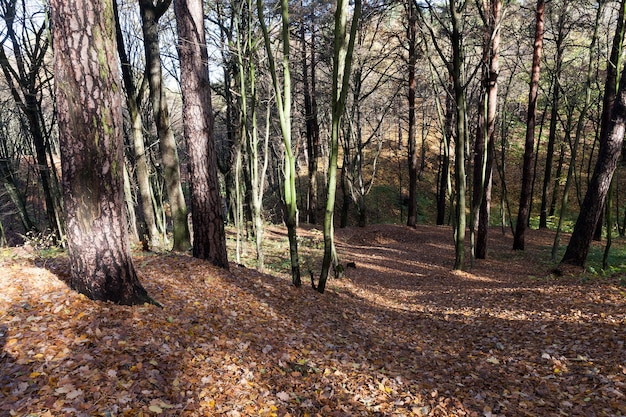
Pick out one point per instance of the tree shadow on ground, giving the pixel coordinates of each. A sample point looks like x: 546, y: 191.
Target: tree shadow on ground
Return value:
x: 67, y: 355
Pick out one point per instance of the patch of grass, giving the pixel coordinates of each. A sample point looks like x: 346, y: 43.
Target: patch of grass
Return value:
x: 616, y: 262
x: 553, y: 222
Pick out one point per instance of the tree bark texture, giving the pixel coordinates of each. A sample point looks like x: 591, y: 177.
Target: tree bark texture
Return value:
x: 527, y: 168
x: 209, y: 239
x: 150, y: 15
x: 90, y: 133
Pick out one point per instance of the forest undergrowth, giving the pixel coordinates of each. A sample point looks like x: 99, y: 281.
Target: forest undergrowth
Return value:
x: 399, y: 335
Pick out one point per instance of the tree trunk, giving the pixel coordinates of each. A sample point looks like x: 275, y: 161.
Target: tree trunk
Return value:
x: 491, y: 97
x: 310, y: 114
x: 554, y: 113
x: 150, y: 15
x: 412, y: 154
x: 209, y: 239
x: 461, y: 135
x: 445, y: 191
x: 24, y: 84
x: 283, y: 104
x: 90, y: 134
x: 529, y: 148
x: 136, y: 133
x: 8, y: 178
x: 611, y: 141
x: 343, y: 47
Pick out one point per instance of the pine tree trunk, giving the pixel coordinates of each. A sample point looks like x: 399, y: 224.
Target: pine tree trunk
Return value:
x: 209, y: 239
x: 90, y: 134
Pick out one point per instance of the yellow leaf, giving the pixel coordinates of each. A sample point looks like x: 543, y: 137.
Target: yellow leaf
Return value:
x: 155, y: 409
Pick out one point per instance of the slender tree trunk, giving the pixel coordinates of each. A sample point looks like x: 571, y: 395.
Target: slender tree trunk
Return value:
x: 343, y: 48
x: 411, y: 34
x: 495, y: 16
x: 283, y: 104
x: 529, y: 149
x: 90, y: 133
x: 8, y: 178
x: 458, y: 79
x: 554, y: 114
x: 150, y: 15
x: 445, y: 189
x: 23, y: 82
x: 209, y: 239
x: 136, y: 128
x: 310, y: 114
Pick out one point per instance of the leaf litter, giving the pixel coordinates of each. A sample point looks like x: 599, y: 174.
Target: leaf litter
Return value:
x: 399, y: 335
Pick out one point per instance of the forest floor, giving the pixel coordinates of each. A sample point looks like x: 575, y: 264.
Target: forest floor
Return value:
x: 400, y: 335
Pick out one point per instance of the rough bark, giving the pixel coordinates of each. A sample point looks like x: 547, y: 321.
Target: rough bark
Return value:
x: 209, y: 239
x: 90, y: 133
x: 150, y: 15
x: 527, y: 168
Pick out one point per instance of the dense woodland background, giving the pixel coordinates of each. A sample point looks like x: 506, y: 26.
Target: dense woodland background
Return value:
x: 418, y: 140
x: 158, y: 156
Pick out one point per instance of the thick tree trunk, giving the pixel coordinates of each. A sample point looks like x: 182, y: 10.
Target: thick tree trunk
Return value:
x: 90, y: 134
x: 150, y: 15
x: 209, y: 239
x: 529, y: 148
